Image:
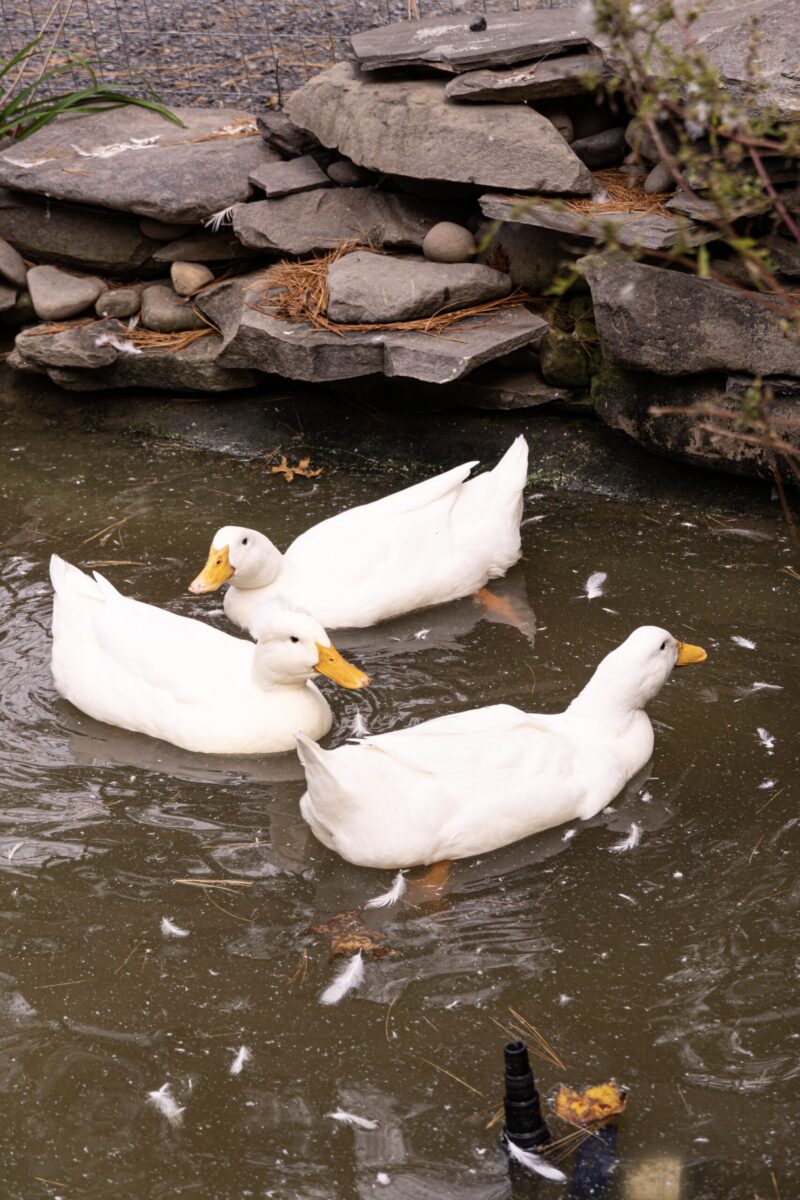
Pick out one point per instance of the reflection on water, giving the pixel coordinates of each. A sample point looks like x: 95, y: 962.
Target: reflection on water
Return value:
x: 671, y: 966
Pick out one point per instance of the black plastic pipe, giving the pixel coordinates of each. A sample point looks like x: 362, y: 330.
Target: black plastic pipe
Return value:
x: 524, y: 1125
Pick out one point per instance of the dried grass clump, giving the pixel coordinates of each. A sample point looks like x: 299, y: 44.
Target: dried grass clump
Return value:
x: 624, y: 198
x: 298, y: 291
x: 148, y: 339
x: 56, y: 327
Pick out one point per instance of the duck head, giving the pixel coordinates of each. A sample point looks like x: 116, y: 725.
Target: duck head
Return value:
x: 292, y: 647
x: 244, y: 555
x: 635, y: 672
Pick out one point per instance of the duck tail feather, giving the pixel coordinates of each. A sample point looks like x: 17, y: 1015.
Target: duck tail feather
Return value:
x: 65, y: 578
x: 513, y: 466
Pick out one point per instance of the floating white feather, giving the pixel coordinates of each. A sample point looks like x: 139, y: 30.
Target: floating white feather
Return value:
x: 535, y: 1163
x: 744, y: 642
x: 351, y: 1119
x: 170, y: 930
x: 594, y: 585
x: 767, y: 740
x: 630, y: 842
x: 421, y: 635
x: 243, y: 1055
x: 386, y: 899
x: 218, y: 219
x: 349, y: 976
x: 166, y: 1104
x: 359, y: 726
x: 753, y: 688
x: 17, y: 846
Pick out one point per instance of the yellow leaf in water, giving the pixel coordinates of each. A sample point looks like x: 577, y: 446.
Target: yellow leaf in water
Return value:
x: 592, y: 1104
x: 303, y: 468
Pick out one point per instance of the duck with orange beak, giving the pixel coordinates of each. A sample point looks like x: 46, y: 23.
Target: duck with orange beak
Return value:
x: 152, y: 671
x: 429, y: 544
x: 471, y: 782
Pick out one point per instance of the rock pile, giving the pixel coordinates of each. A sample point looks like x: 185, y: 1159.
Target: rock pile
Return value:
x: 437, y: 181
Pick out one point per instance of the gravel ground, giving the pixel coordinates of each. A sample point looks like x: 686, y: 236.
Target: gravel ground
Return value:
x: 246, y: 53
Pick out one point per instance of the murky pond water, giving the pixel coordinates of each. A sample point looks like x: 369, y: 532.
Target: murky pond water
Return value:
x: 672, y: 967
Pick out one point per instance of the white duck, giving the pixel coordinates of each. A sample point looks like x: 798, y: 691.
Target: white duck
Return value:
x: 433, y: 542
x: 154, y: 672
x: 471, y: 782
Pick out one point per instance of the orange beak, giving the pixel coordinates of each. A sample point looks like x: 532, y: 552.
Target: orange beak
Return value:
x: 217, y: 571
x: 689, y: 654
x: 332, y: 665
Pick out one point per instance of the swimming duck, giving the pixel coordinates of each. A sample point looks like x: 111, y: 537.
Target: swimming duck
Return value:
x: 433, y: 542
x: 471, y: 782
x: 155, y: 672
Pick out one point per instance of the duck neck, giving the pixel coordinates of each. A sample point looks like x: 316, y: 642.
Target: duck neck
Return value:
x: 609, y: 703
x: 268, y: 677
x: 261, y: 569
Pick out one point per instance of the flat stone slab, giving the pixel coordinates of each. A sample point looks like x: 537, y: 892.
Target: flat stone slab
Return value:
x: 365, y: 288
x: 68, y: 236
x: 651, y: 319
x: 286, y: 178
x: 408, y: 127
x: 132, y: 159
x: 651, y: 231
x: 722, y: 32
x: 93, y: 358
x: 449, y: 44
x: 549, y: 78
x: 322, y: 220
x: 256, y: 340
x: 202, y: 247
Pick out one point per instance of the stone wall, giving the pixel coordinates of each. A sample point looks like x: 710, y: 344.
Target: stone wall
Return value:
x: 403, y: 217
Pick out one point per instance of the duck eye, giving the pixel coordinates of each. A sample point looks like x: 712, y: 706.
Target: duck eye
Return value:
x: 663, y: 645
x: 294, y: 639
x: 244, y: 541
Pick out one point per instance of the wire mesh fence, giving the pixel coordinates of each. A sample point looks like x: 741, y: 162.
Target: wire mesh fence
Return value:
x: 242, y: 53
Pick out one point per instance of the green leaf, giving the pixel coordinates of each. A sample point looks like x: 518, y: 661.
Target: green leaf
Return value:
x: 25, y: 110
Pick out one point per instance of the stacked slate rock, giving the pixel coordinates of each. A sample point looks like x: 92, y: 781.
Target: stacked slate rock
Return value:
x: 441, y: 146
x: 102, y: 231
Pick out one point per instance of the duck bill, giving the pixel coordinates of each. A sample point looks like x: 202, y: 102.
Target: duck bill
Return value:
x: 333, y: 666
x: 689, y: 654
x: 217, y: 571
